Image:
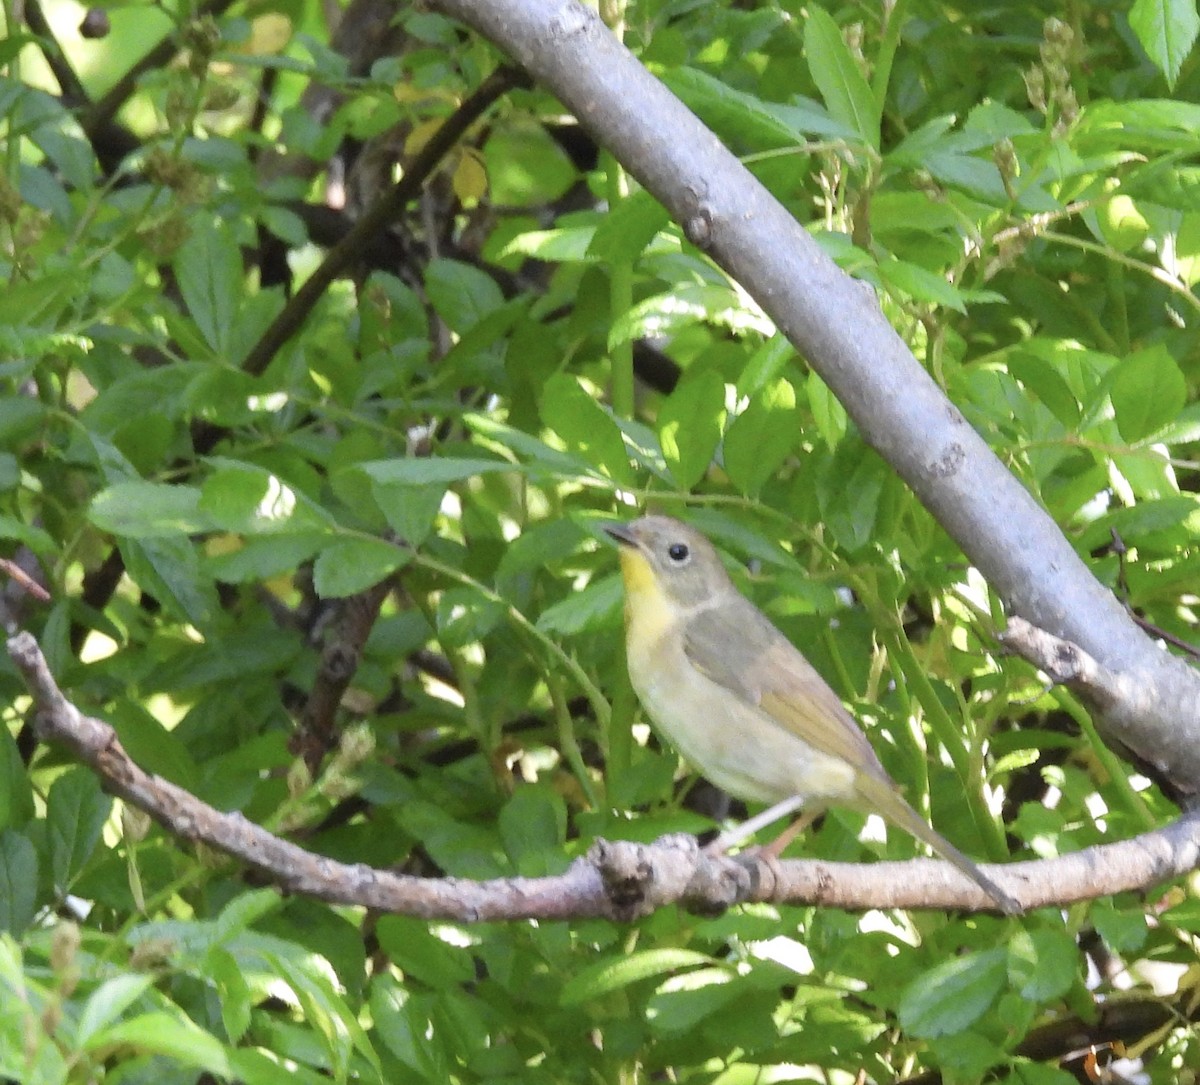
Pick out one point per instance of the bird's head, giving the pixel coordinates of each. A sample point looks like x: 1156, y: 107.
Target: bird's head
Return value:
x: 660, y: 555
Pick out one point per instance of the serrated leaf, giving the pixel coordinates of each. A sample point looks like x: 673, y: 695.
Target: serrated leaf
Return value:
x: 953, y: 995
x: 138, y: 509
x: 18, y: 882
x: 429, y: 470
x: 465, y: 616
x: 250, y: 499
x: 843, y: 87
x: 921, y: 285
x: 1167, y: 31
x: 593, y: 607
x: 162, y: 1034
x: 16, y: 795
x: 265, y: 556
x: 765, y: 364
x: 352, y: 565
x: 628, y: 228
x: 1042, y: 964
x: 533, y: 826
x: 604, y: 977
x: 461, y: 294
x: 76, y: 810
x: 585, y: 427
x: 761, y: 437
x: 169, y: 569
x: 208, y: 268
x: 111, y: 999
x: 413, y: 948
x: 1147, y: 391
x: 690, y: 424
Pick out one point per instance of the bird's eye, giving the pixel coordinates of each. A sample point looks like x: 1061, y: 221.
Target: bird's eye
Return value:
x: 678, y: 552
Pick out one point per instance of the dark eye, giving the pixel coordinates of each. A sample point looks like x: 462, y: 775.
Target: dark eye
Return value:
x: 677, y: 552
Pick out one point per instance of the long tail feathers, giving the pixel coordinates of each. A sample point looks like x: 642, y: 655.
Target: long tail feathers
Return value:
x: 880, y: 797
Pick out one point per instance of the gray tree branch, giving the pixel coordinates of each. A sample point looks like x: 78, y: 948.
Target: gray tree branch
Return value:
x: 615, y: 879
x: 839, y: 328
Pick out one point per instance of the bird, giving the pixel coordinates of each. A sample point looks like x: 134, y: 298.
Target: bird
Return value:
x: 739, y: 701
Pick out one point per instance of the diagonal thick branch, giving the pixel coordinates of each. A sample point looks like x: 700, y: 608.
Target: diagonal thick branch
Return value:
x: 617, y: 880
x: 838, y: 327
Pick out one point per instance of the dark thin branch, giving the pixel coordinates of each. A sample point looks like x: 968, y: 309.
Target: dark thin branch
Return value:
x: 68, y: 82
x: 340, y: 657
x: 618, y: 880
x: 100, y: 114
x: 380, y: 215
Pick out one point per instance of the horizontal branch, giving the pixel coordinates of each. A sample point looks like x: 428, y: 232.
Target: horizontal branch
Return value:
x: 615, y: 879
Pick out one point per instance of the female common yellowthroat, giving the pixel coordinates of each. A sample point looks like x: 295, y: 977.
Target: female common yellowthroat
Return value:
x: 739, y: 702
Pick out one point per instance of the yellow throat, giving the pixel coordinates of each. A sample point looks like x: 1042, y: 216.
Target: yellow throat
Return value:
x: 649, y: 611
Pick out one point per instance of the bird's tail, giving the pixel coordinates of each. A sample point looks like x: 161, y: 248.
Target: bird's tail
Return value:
x: 880, y: 796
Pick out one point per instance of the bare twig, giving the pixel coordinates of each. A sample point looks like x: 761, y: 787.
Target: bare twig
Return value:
x: 619, y: 880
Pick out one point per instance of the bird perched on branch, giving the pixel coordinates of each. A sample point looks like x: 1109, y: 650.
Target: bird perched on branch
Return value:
x: 733, y: 695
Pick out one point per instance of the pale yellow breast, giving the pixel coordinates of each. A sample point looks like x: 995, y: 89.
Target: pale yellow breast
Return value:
x: 734, y: 743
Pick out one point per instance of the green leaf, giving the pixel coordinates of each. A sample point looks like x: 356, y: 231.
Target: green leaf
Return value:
x: 208, y: 268
x: 232, y: 990
x: 690, y: 424
x: 1167, y: 31
x: 160, y: 1033
x: 420, y: 954
x: 921, y: 285
x: 628, y: 228
x: 1123, y: 930
x: 464, y: 616
x: 827, y: 411
x: 765, y: 364
x: 1042, y: 964
x: 605, y: 977
x: 568, y: 245
x: 533, y: 827
x: 585, y: 427
x: 76, y: 810
x: 762, y: 437
x: 147, y: 510
x: 111, y: 999
x: 743, y: 120
x: 686, y: 305
x: 462, y: 295
x: 849, y: 492
x: 410, y: 511
x: 245, y: 498
x: 1147, y: 391
x: 953, y: 995
x: 429, y: 470
x: 18, y: 882
x: 461, y: 849
x: 594, y: 607
x: 169, y: 570
x: 352, y: 565
x: 1044, y: 381
x: 16, y: 795
x: 265, y: 556
x: 842, y: 85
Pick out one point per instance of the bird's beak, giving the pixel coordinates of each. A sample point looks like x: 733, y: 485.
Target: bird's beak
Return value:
x: 620, y: 532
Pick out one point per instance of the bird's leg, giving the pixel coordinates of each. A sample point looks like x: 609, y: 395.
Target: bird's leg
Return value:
x: 750, y: 826
x: 775, y: 849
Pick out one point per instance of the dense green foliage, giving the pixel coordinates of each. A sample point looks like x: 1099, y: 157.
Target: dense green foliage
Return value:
x: 532, y: 348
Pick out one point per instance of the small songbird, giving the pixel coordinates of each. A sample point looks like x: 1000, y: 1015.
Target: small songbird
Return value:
x: 738, y: 701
